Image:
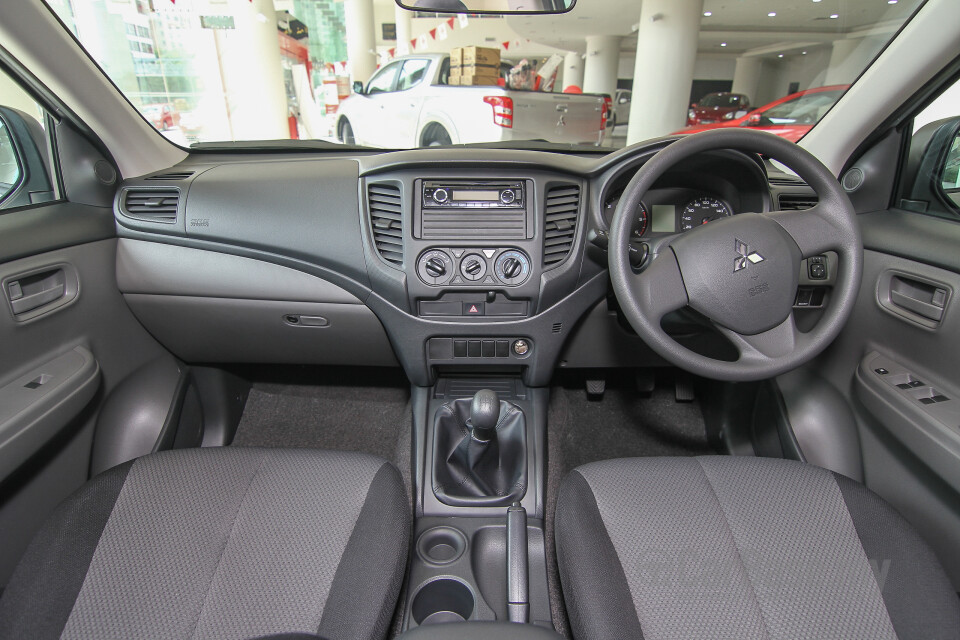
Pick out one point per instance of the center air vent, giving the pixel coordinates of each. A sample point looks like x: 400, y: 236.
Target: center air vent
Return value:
x: 178, y: 175
x: 386, y: 220
x: 797, y: 201
x: 560, y: 223
x: 151, y: 205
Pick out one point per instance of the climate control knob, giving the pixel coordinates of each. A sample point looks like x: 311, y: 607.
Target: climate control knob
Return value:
x: 473, y: 267
x: 512, y: 267
x: 435, y: 267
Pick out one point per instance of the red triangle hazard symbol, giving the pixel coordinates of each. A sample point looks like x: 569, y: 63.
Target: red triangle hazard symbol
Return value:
x: 473, y: 309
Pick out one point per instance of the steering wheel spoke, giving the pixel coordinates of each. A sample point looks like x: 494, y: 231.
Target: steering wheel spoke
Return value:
x: 778, y: 342
x: 659, y: 288
x: 812, y: 229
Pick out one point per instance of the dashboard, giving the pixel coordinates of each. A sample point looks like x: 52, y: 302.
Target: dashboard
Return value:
x: 481, y: 260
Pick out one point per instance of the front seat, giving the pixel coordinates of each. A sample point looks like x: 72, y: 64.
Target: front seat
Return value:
x: 218, y: 543
x: 738, y: 547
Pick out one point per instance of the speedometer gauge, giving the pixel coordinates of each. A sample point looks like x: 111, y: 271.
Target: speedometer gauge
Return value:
x: 703, y: 210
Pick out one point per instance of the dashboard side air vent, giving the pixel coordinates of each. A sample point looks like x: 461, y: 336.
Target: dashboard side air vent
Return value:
x: 797, y: 201
x: 176, y: 175
x: 560, y: 223
x: 151, y: 205
x: 386, y: 219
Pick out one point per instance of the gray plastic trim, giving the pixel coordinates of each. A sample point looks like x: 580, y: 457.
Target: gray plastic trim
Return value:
x: 35, y: 406
x: 165, y: 269
x: 220, y: 330
x: 822, y: 422
x: 134, y: 415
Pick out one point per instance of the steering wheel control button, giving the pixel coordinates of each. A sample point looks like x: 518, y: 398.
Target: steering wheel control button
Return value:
x: 521, y: 347
x: 817, y: 268
x: 473, y: 308
x: 512, y: 267
x: 435, y: 267
x: 473, y: 267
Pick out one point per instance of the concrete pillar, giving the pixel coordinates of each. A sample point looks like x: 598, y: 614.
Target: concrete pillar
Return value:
x: 252, y: 75
x: 746, y: 77
x: 572, y: 70
x: 849, y: 57
x: 404, y: 20
x: 666, y: 52
x: 603, y: 60
x: 361, y: 39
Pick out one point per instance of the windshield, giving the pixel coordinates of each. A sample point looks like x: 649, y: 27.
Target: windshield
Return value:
x: 370, y: 73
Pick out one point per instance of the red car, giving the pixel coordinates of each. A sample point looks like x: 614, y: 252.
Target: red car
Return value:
x: 162, y: 116
x: 789, y: 117
x: 717, y: 107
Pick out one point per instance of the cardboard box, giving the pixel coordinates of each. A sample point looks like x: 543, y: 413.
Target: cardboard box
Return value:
x: 455, y: 75
x: 481, y: 69
x: 456, y: 58
x: 482, y: 56
x: 478, y: 80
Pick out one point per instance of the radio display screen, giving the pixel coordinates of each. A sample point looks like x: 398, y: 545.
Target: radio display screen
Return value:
x: 461, y: 195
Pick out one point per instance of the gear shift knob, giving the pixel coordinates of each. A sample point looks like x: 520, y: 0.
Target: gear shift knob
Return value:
x: 485, y: 414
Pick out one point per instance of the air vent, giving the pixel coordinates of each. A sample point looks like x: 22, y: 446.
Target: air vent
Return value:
x: 797, y: 201
x: 785, y: 179
x: 151, y: 205
x: 181, y: 175
x: 386, y: 219
x: 560, y: 223
x: 558, y: 327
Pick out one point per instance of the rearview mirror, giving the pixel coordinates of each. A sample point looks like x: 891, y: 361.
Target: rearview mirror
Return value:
x: 358, y: 87
x: 499, y: 7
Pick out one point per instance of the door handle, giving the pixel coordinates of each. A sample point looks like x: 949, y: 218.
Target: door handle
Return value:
x: 925, y: 309
x: 33, y: 291
x: 914, y: 297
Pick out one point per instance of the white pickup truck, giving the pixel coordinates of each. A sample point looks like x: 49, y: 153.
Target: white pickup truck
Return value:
x: 408, y: 103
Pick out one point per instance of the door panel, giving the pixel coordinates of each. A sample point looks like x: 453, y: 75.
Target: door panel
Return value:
x: 85, y: 348
x: 909, y: 443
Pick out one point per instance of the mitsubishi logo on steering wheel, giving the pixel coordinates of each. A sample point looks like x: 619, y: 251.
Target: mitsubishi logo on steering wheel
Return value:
x: 745, y: 257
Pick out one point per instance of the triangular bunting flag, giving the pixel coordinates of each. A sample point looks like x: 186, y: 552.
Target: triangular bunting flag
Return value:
x: 506, y: 45
x: 450, y: 21
x: 433, y: 33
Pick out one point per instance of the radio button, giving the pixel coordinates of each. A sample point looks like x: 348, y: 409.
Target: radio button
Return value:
x: 441, y: 196
x: 508, y: 196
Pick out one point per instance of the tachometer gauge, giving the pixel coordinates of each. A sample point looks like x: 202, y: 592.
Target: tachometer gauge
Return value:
x: 639, y: 225
x: 703, y: 210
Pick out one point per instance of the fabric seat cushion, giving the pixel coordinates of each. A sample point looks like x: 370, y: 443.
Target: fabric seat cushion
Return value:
x: 738, y: 547
x: 218, y: 543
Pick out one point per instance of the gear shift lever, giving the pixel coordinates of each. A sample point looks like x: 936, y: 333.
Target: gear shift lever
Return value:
x: 484, y: 415
x: 479, y: 452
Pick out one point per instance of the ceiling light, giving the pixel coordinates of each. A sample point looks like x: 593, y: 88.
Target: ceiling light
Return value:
x: 803, y: 53
x: 708, y: 13
x: 891, y: 1
x: 723, y: 44
x: 779, y: 55
x: 817, y: 0
x: 772, y: 14
x: 834, y: 16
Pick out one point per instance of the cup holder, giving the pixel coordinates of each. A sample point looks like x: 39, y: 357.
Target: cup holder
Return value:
x: 441, y: 545
x: 442, y: 600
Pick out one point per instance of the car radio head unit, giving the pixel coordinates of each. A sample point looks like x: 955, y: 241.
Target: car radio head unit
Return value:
x: 473, y: 195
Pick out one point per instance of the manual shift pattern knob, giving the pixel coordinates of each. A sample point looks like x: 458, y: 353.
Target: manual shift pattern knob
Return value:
x: 484, y: 414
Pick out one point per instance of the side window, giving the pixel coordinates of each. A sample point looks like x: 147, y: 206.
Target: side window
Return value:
x: 931, y: 174
x: 383, y: 81
x: 26, y: 175
x: 412, y: 74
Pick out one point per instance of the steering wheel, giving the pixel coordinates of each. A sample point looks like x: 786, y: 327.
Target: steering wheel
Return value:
x: 740, y: 272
